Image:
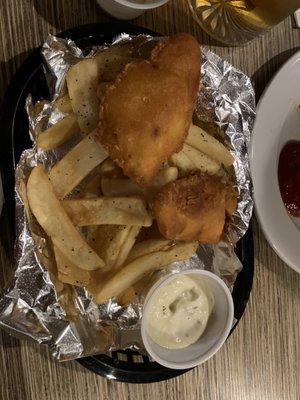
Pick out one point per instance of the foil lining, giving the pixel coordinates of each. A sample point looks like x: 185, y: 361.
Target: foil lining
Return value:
x: 64, y: 317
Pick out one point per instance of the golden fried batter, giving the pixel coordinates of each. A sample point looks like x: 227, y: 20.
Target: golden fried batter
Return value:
x: 145, y: 115
x: 230, y: 199
x: 192, y: 208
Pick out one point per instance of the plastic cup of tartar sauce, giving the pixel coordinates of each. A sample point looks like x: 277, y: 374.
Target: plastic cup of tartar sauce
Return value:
x: 217, y: 327
x: 129, y: 9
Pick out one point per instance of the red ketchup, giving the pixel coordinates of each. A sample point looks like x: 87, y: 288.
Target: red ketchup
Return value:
x: 289, y: 177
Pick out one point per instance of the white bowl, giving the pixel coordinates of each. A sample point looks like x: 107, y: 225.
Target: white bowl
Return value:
x: 277, y: 122
x: 124, y: 9
x: 215, y: 334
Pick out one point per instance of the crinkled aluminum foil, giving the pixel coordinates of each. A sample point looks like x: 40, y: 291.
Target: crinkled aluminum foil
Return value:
x: 65, y: 318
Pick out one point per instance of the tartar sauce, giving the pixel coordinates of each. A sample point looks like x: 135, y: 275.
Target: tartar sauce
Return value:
x: 178, y: 312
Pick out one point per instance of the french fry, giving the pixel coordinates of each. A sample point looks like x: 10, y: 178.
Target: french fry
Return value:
x: 120, y: 187
x: 126, y: 297
x: 92, y: 236
x: 93, y: 187
x: 190, y: 158
x: 59, y: 133
x: 115, y: 67
x: 107, y: 240
x: 52, y: 217
x: 207, y: 144
x: 92, y: 190
x: 70, y: 273
x: 108, y: 169
x: 83, y: 84
x: 182, y: 162
x: 127, y: 246
x: 66, y: 300
x: 59, y: 286
x: 125, y: 187
x: 111, y: 62
x: 140, y: 287
x: 76, y: 165
x: 113, y: 248
x: 101, y: 89
x: 148, y: 246
x: 201, y: 160
x: 63, y: 104
x: 165, y: 176
x: 82, y: 81
x: 99, y: 279
x: 108, y: 211
x: 135, y: 270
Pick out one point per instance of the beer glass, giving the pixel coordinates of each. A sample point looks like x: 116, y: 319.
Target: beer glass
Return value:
x: 235, y: 22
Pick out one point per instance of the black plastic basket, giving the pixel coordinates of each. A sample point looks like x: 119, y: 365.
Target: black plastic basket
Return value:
x: 126, y: 366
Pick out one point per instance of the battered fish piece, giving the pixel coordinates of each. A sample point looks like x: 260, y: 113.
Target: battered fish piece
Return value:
x: 230, y: 199
x: 146, y: 113
x: 192, y: 208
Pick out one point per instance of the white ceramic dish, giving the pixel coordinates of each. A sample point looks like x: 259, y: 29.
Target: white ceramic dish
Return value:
x: 277, y: 121
x: 126, y: 9
x: 215, y: 334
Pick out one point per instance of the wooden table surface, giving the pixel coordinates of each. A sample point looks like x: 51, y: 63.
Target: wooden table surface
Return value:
x: 261, y: 360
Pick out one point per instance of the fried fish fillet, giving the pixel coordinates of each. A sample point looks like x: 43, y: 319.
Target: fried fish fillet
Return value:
x: 146, y: 113
x: 192, y: 208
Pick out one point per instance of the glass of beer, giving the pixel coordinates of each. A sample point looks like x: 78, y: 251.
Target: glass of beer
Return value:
x: 236, y: 22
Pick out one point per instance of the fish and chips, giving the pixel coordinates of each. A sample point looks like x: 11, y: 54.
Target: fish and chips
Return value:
x: 144, y: 166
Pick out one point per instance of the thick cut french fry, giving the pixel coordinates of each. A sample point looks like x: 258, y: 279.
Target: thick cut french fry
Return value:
x: 115, y: 67
x: 201, y: 160
x: 70, y: 273
x: 76, y: 165
x: 59, y: 133
x: 115, y: 244
x: 127, y: 246
x: 135, y: 270
x: 111, y: 62
x: 120, y: 187
x: 148, y: 246
x: 207, y: 144
x: 63, y: 104
x: 107, y: 240
x: 101, y: 89
x: 125, y: 187
x: 66, y: 300
x: 109, y: 169
x: 92, y: 189
x: 139, y: 288
x: 108, y: 211
x: 182, y: 162
x: 52, y: 217
x: 165, y: 176
x: 126, y: 297
x: 82, y: 81
x: 99, y: 279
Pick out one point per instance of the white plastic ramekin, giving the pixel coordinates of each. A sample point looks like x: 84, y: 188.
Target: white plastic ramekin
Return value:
x: 124, y: 9
x: 215, y: 334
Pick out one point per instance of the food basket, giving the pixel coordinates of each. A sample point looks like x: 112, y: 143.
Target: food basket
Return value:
x: 123, y: 365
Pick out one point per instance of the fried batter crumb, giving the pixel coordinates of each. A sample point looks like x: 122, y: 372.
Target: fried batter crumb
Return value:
x: 192, y: 208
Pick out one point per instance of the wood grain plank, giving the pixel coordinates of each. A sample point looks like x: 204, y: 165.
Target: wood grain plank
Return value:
x: 261, y: 360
